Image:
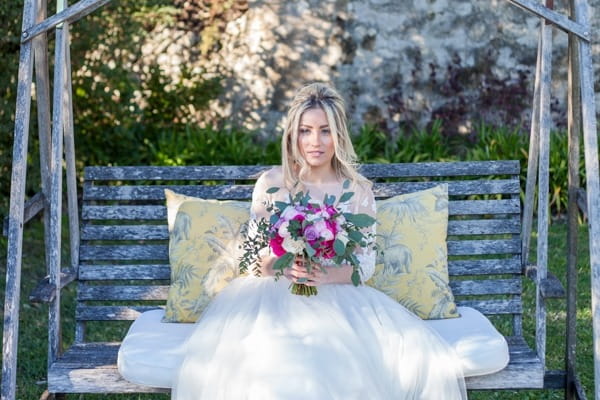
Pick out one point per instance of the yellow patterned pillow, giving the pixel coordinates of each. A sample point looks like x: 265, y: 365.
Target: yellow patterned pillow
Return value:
x: 203, y: 252
x: 412, y: 265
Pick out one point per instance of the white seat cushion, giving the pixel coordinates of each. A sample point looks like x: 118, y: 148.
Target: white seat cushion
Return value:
x: 481, y: 348
x: 153, y: 350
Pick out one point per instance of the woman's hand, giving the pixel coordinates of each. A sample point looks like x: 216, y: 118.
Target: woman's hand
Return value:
x: 298, y: 273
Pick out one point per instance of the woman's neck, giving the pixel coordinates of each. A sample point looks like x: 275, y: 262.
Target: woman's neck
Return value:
x: 319, y: 177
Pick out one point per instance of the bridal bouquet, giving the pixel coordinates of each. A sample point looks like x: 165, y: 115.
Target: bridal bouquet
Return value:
x: 319, y: 231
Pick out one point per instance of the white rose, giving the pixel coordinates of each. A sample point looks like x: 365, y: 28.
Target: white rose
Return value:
x: 292, y: 246
x: 283, y: 229
x: 289, y: 213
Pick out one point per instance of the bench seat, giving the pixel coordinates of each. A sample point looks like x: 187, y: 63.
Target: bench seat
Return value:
x: 152, y: 350
x: 90, y: 368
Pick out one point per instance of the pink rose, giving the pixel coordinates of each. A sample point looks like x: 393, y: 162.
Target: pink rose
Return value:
x: 326, y: 250
x: 276, y: 245
x: 332, y: 226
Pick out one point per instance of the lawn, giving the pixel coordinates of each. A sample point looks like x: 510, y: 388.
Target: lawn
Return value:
x: 33, y: 320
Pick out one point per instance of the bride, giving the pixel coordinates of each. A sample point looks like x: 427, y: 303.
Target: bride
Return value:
x: 256, y: 340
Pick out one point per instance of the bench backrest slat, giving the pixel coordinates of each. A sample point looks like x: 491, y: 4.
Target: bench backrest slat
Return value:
x: 423, y: 169
x: 111, y: 272
x: 160, y: 232
x: 238, y: 191
x: 124, y: 239
x: 159, y: 212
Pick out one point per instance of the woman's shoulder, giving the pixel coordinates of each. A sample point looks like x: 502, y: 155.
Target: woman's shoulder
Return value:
x: 363, y: 183
x: 271, y: 177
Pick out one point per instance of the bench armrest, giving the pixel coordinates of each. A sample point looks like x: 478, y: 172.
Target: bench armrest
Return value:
x: 45, y: 292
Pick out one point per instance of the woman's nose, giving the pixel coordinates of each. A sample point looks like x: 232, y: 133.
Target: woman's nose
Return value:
x: 315, y: 138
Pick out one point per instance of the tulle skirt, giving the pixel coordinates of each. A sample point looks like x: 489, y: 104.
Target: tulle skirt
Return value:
x: 256, y: 340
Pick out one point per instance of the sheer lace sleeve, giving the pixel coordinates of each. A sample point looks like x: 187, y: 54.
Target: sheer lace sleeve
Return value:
x: 364, y: 203
x: 260, y: 197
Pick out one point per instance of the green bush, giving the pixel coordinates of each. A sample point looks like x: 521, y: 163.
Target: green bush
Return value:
x: 375, y: 146
x: 511, y: 144
x: 208, y: 146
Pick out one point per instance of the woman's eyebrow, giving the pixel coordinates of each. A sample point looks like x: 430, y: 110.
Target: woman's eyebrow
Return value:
x: 310, y: 126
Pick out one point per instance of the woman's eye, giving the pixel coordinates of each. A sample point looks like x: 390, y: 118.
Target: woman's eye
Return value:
x: 325, y: 131
x: 304, y: 131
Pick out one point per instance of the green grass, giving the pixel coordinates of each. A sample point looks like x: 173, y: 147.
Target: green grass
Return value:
x: 31, y: 374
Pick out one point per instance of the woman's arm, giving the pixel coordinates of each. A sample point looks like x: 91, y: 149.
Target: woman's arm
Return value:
x: 258, y: 211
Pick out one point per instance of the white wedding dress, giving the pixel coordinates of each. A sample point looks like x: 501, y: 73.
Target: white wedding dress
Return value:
x: 256, y: 340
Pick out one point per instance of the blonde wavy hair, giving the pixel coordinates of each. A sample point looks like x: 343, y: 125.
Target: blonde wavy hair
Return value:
x: 344, y: 162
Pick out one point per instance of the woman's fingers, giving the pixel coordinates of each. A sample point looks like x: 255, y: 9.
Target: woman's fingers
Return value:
x: 298, y: 273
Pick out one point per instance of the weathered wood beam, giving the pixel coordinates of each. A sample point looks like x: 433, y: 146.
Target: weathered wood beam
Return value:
x: 71, y: 174
x: 532, y: 161
x: 561, y: 21
x: 543, y: 187
x: 574, y: 132
x: 42, y: 84
x: 68, y: 15
x: 252, y: 172
x: 32, y: 207
x: 16, y: 210
x: 54, y: 268
x: 590, y: 140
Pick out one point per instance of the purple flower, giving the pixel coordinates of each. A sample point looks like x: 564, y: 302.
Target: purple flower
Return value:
x: 311, y: 233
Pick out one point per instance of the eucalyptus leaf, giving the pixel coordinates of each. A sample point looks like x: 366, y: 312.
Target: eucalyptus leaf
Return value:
x: 272, y: 190
x: 356, y: 236
x: 339, y: 247
x: 281, y: 205
x: 283, y: 262
x: 346, y: 196
x: 346, y: 184
x: 355, y: 278
x: 360, y: 220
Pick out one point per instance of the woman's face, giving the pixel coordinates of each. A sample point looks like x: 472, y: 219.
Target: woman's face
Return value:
x: 315, y: 139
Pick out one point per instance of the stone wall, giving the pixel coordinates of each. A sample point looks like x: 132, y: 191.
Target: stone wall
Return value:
x: 399, y: 63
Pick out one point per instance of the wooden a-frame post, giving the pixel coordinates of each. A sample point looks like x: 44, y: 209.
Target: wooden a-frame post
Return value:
x: 34, y: 49
x: 56, y: 129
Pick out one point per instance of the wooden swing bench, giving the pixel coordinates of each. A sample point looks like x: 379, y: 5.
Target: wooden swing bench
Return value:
x: 124, y: 268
